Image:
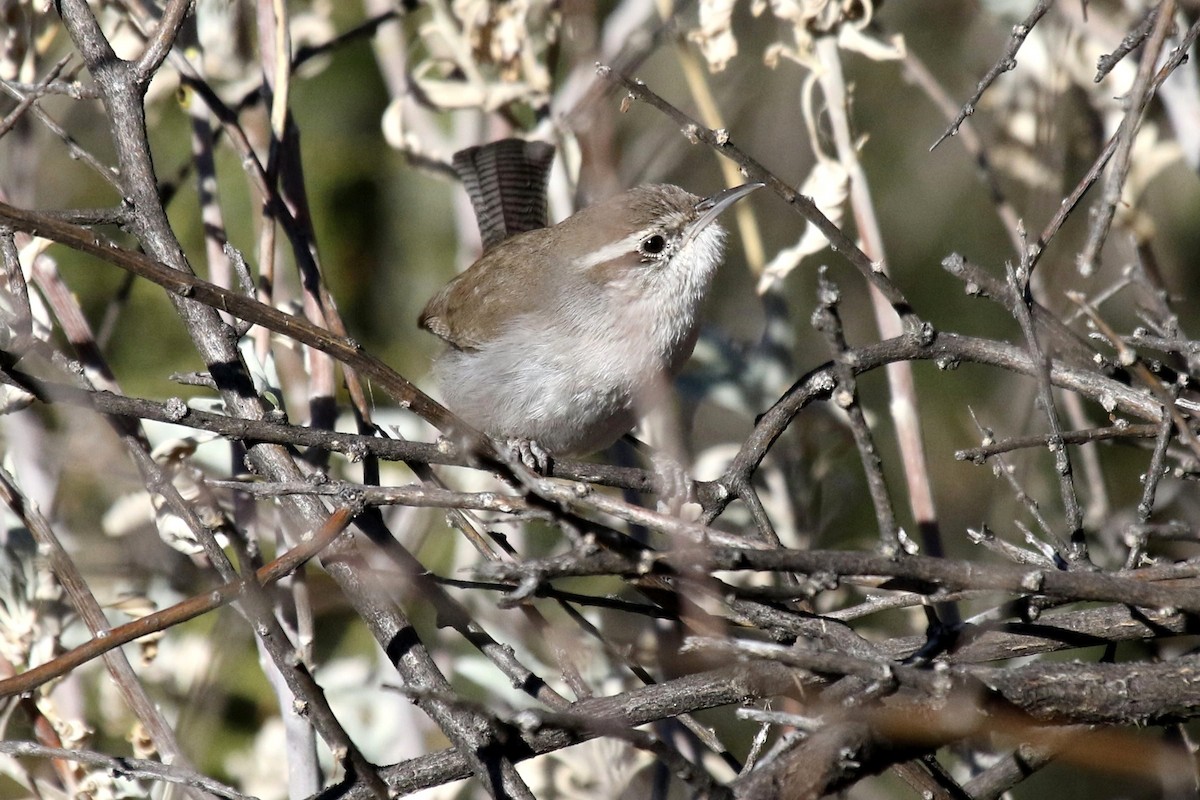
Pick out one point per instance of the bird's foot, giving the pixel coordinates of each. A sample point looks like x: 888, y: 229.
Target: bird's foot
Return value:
x: 672, y: 482
x: 531, y: 454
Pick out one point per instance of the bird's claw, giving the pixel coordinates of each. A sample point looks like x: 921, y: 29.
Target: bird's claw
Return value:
x: 531, y: 454
x: 673, y: 483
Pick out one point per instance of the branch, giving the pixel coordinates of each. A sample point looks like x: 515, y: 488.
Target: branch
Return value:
x: 922, y: 574
x: 124, y: 766
x: 752, y: 169
x: 191, y: 608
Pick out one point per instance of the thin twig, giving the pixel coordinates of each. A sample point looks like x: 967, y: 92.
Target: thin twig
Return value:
x: 845, y: 396
x: 112, y: 638
x: 924, y: 571
x: 1018, y: 282
x: 355, y: 446
x: 944, y: 349
x: 905, y: 407
x: 971, y: 142
x: 991, y: 448
x: 1177, y: 57
x: 32, y: 95
x: 1006, y: 62
x: 1132, y: 41
x: 159, y: 45
x: 1150, y: 480
x: 1128, y: 358
x: 74, y: 149
x: 1001, y: 470
x: 752, y: 169
x: 85, y: 603
x: 124, y: 766
x: 187, y: 285
x: 1135, y: 104
x: 732, y: 684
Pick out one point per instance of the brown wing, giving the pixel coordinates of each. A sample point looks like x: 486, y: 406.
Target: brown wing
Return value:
x: 502, y: 285
x: 433, y: 319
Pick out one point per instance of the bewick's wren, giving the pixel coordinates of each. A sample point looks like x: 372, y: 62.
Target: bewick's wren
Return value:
x: 558, y: 337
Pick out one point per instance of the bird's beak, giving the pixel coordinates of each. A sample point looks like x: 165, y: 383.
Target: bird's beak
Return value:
x: 711, y: 207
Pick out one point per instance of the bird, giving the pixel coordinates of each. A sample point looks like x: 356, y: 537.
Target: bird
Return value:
x: 558, y: 338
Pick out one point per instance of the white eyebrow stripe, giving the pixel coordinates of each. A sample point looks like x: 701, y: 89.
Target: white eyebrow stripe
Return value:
x: 610, y: 251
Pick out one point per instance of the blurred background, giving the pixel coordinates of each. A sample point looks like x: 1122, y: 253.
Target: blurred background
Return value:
x: 382, y: 96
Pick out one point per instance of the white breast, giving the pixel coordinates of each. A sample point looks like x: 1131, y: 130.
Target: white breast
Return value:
x: 572, y: 378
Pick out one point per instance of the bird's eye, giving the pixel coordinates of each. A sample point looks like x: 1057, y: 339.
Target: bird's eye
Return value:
x: 654, y: 245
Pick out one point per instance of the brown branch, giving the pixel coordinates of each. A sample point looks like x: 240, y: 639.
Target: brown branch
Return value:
x: 163, y: 39
x: 916, y: 573
x: 980, y: 454
x: 356, y: 446
x: 89, y: 610
x: 186, y: 285
x: 947, y: 350
x: 737, y: 683
x: 857, y: 743
x: 182, y: 611
x: 1018, y: 284
x: 827, y: 320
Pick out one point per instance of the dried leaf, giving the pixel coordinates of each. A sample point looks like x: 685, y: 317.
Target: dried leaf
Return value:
x: 456, y: 94
x: 15, y: 36
x: 715, y: 34
x: 855, y: 39
x: 828, y: 185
